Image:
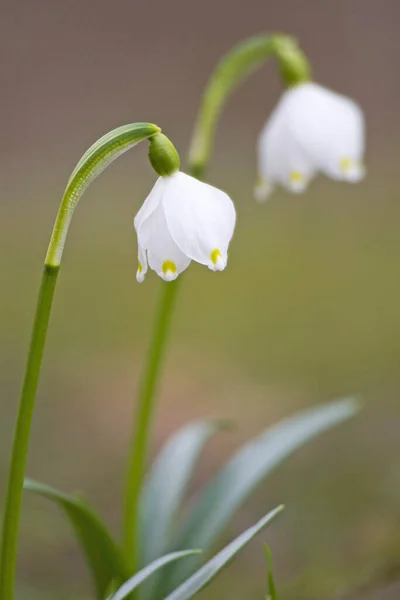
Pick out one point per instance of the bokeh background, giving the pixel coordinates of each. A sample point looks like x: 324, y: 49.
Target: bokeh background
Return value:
x: 307, y: 311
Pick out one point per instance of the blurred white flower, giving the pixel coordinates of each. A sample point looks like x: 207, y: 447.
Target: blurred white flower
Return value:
x: 311, y: 130
x: 183, y: 219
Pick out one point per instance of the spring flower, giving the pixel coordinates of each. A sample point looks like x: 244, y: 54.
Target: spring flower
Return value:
x: 183, y: 219
x: 311, y: 130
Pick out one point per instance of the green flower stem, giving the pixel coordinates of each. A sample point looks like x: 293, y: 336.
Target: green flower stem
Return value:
x: 92, y: 163
x: 142, y: 422
x: 21, y: 439
x: 233, y: 68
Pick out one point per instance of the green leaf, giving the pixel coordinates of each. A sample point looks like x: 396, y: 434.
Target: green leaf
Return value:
x: 272, y: 595
x: 213, y: 507
x: 166, y: 484
x: 129, y: 586
x: 102, y: 554
x: 204, y: 575
x: 101, y: 154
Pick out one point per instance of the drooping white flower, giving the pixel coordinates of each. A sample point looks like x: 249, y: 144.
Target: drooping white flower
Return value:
x: 311, y: 130
x: 183, y: 219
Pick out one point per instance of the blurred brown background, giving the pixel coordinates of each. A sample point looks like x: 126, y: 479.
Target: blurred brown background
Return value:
x: 308, y: 309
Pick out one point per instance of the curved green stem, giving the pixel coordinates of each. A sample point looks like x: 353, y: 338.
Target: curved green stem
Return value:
x: 21, y: 439
x: 142, y: 422
x: 93, y: 162
x: 233, y: 68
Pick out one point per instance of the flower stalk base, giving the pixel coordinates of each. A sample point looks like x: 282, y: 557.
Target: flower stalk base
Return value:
x: 22, y: 433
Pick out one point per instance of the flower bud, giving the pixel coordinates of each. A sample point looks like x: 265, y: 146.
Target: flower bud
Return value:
x: 163, y: 155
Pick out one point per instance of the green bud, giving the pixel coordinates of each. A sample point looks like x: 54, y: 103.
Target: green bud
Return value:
x: 294, y: 67
x: 163, y: 155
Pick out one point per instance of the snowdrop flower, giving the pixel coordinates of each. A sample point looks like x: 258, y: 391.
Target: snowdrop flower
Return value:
x: 183, y: 219
x: 311, y: 130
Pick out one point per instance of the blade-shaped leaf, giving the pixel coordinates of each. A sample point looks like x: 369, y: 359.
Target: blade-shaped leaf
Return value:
x: 272, y: 595
x: 208, y: 571
x: 166, y: 485
x: 103, y: 555
x: 212, y: 508
x: 129, y: 586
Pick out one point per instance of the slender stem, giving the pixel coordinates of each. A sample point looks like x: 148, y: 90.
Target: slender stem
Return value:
x: 145, y: 406
x: 93, y: 162
x: 22, y: 431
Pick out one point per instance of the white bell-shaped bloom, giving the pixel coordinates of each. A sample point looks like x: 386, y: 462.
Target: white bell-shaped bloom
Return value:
x: 311, y: 130
x: 183, y: 219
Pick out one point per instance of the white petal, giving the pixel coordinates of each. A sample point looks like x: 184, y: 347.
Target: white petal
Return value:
x: 201, y: 219
x: 263, y: 189
x: 330, y: 129
x: 142, y: 265
x: 281, y: 159
x: 150, y: 204
x: 164, y: 256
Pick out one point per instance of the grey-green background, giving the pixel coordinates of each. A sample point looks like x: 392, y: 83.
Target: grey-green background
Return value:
x: 308, y: 309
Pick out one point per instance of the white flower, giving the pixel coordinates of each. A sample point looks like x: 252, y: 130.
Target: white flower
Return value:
x: 311, y: 130
x: 181, y: 220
